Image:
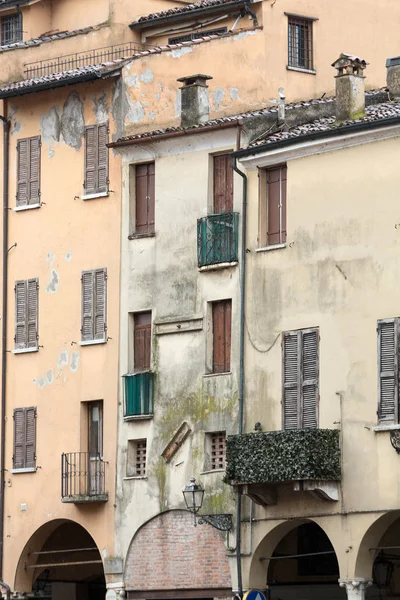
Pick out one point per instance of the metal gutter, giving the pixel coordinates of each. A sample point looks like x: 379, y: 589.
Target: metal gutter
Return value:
x: 185, y: 15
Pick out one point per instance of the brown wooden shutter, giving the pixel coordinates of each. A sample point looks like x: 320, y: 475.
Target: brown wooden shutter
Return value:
x: 30, y: 438
x: 222, y: 319
x: 223, y: 184
x: 32, y: 313
x: 291, y: 380
x: 87, y: 306
x: 22, y: 172
x: 102, y: 156
x: 310, y: 372
x: 90, y: 159
x: 145, y: 198
x: 151, y: 197
x: 100, y: 283
x: 142, y: 341
x: 276, y: 205
x: 34, y: 170
x: 20, y: 315
x: 19, y: 438
x: 388, y: 370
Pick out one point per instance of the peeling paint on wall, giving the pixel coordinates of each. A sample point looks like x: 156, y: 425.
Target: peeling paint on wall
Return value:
x: 180, y: 52
x: 52, y: 286
x: 74, y: 365
x: 152, y: 115
x: 15, y: 125
x: 234, y: 93
x: 50, y: 258
x: 68, y: 256
x: 136, y: 112
x: 217, y: 97
x: 41, y: 382
x: 50, y: 126
x: 147, y: 76
x: 72, y: 121
x: 132, y: 81
x: 178, y: 104
x: 101, y: 108
x: 63, y: 359
x: 50, y: 376
x: 244, y: 34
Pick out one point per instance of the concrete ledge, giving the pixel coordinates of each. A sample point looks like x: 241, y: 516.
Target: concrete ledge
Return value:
x: 84, y: 499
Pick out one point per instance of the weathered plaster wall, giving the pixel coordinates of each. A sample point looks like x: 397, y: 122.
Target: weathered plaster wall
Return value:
x: 55, y: 243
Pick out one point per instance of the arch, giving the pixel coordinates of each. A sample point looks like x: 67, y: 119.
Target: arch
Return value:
x: 169, y: 553
x: 55, y: 542
x: 372, y: 539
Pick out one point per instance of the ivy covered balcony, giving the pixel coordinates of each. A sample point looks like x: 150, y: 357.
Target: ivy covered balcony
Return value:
x: 217, y: 239
x: 307, y: 458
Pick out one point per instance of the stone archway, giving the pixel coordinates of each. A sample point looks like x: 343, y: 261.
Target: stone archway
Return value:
x: 168, y: 555
x: 61, y: 554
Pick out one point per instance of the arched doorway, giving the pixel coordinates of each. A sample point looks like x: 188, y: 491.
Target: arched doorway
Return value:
x: 61, y: 560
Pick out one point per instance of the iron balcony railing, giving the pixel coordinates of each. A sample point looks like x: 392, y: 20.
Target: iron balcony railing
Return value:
x: 82, y: 477
x: 67, y: 62
x: 139, y: 394
x: 217, y: 239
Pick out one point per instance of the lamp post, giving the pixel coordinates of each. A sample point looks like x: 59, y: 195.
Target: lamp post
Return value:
x: 382, y: 571
x: 193, y: 494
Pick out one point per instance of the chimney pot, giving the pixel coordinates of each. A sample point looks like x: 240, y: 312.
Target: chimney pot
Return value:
x: 393, y: 77
x: 195, y: 104
x: 350, y: 89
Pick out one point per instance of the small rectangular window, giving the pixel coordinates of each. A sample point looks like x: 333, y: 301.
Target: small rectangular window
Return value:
x: 388, y: 370
x: 215, y: 450
x: 96, y: 159
x: 300, y: 43
x: 24, y: 450
x: 273, y: 213
x: 28, y: 171
x: 142, y: 341
x: 143, y: 199
x: 223, y: 184
x: 11, y: 29
x: 300, y: 378
x: 95, y: 429
x: 94, y: 296
x: 26, y: 314
x: 221, y: 336
x: 137, y: 454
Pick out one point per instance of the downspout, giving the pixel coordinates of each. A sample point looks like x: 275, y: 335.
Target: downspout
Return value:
x: 6, y: 146
x: 241, y: 362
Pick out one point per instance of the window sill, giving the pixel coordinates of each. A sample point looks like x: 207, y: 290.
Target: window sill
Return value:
x: 25, y: 350
x: 28, y: 207
x: 137, y: 236
x: 138, y: 417
x: 94, y: 196
x: 212, y: 471
x: 217, y: 266
x: 207, y: 375
x: 135, y: 477
x: 389, y: 427
x: 272, y: 247
x: 92, y: 342
x: 300, y: 70
x: 26, y: 470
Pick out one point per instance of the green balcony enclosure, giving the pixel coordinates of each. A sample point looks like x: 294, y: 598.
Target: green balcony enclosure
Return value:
x: 139, y: 394
x: 217, y: 239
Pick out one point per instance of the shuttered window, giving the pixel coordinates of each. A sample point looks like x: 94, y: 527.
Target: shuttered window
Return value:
x: 388, y: 369
x: 223, y: 184
x: 96, y: 159
x: 300, y: 379
x: 28, y: 171
x: 94, y: 296
x: 221, y: 324
x: 276, y: 205
x: 24, y: 450
x: 145, y: 198
x: 142, y: 341
x: 26, y: 314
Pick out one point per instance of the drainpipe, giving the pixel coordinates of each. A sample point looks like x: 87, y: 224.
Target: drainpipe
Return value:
x: 241, y: 362
x: 6, y: 145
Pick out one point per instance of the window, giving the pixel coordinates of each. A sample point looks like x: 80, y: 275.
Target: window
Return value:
x: 11, y: 29
x: 96, y: 159
x: 196, y: 35
x: 142, y: 198
x: 94, y: 294
x: 273, y: 208
x: 388, y: 369
x: 215, y: 449
x: 26, y: 314
x: 300, y: 378
x: 223, y: 184
x: 136, y: 464
x: 142, y: 341
x: 95, y: 429
x: 221, y: 336
x: 300, y: 43
x: 24, y: 449
x: 28, y: 171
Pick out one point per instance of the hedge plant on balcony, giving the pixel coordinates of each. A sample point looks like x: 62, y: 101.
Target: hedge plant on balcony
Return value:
x: 279, y: 456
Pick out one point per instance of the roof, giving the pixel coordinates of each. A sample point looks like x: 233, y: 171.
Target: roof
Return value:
x: 44, y: 38
x: 181, y: 12
x: 83, y: 74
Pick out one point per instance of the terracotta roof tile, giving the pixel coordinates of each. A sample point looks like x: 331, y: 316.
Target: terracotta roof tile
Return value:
x: 182, y: 10
x: 42, y: 40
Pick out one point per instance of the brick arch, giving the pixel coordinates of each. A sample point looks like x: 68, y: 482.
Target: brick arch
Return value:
x: 169, y: 553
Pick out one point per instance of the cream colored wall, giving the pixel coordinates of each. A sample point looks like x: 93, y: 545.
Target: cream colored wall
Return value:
x: 55, y: 243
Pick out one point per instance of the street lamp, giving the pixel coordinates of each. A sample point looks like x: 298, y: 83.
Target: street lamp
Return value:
x: 382, y: 571
x: 193, y: 494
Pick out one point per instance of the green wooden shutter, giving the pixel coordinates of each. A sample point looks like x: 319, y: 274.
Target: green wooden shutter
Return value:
x: 34, y: 170
x: 20, y: 338
x: 100, y: 279
x: 32, y: 313
x: 388, y: 370
x: 87, y: 305
x: 291, y: 379
x: 22, y: 172
x: 19, y: 438
x: 309, y: 377
x: 90, y: 159
x: 30, y: 438
x: 102, y: 158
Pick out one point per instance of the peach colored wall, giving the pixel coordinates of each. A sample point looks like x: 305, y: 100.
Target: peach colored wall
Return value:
x: 55, y: 243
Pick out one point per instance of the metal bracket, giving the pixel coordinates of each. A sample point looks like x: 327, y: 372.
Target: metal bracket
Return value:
x: 395, y: 440
x: 222, y: 522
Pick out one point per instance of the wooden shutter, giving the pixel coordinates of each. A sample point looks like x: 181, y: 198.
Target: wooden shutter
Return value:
x: 102, y: 157
x: 22, y: 172
x: 20, y: 315
x: 388, y: 370
x: 145, y: 198
x: 24, y: 451
x: 151, y: 197
x: 100, y: 279
x: 223, y: 184
x: 291, y: 380
x: 221, y: 315
x: 276, y: 205
x: 90, y: 159
x: 32, y: 313
x: 142, y: 341
x: 34, y: 170
x: 310, y: 368
x: 30, y: 438
x: 87, y: 306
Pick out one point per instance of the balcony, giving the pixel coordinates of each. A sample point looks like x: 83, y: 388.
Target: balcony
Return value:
x: 217, y: 239
x: 82, y: 478
x: 307, y: 458
x: 139, y: 394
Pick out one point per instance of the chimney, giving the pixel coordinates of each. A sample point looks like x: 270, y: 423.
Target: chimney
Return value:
x: 195, y: 106
x: 350, y: 92
x: 393, y: 77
